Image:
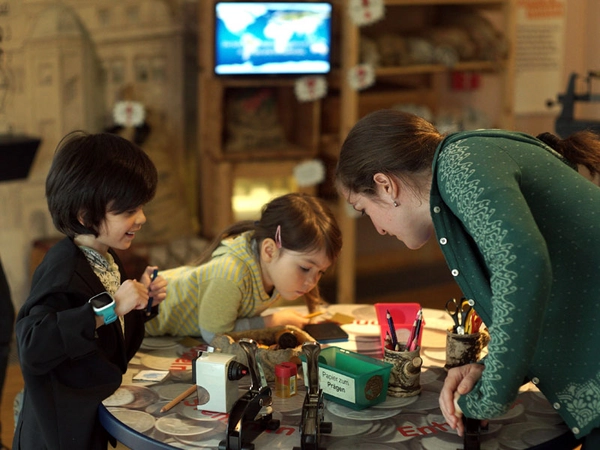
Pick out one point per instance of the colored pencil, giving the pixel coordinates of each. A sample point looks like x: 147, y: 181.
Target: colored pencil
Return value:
x: 189, y: 391
x: 314, y: 314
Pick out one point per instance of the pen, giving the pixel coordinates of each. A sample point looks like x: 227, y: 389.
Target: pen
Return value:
x: 315, y: 314
x: 388, y: 341
x: 469, y: 322
x: 475, y: 323
x: 413, y: 344
x: 186, y: 393
x: 149, y: 307
x: 411, y: 335
x: 390, y: 322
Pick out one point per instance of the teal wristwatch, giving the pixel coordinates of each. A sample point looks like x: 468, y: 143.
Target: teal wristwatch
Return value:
x: 104, y: 305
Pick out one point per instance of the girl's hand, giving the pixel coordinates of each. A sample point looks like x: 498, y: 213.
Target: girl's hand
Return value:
x: 459, y: 381
x: 131, y: 295
x: 157, y: 289
x: 286, y: 317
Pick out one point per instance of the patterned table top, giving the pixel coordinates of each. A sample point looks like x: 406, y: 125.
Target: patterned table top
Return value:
x: 397, y: 423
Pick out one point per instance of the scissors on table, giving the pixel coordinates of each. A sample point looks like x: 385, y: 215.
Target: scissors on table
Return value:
x: 459, y: 311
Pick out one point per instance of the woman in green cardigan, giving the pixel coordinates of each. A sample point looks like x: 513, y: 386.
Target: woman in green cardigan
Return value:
x: 520, y: 231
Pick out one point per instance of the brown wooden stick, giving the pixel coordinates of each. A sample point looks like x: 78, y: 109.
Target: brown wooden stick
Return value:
x: 176, y: 400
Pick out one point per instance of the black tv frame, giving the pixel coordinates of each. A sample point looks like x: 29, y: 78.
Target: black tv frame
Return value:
x: 267, y: 75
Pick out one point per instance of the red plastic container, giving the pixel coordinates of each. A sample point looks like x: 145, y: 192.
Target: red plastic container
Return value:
x: 403, y: 315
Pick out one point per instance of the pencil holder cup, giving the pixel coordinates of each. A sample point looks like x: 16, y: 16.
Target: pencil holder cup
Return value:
x: 464, y: 349
x: 403, y: 316
x: 405, y: 376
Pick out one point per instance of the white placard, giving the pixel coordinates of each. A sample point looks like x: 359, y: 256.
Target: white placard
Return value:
x: 310, y: 88
x: 539, y: 54
x: 335, y: 384
x: 366, y: 12
x: 309, y: 173
x: 129, y: 114
x: 361, y: 77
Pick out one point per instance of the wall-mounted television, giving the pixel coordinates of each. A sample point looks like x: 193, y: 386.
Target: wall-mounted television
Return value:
x: 272, y: 38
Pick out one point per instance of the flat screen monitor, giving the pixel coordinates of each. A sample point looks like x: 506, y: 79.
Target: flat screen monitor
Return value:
x: 272, y: 38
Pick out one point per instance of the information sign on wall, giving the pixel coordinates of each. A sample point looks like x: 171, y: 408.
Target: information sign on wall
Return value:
x: 539, y: 54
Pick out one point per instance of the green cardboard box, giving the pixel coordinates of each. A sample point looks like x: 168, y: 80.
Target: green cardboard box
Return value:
x: 351, y: 379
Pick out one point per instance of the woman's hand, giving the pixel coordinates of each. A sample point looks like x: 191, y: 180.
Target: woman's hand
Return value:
x: 285, y: 317
x: 459, y: 381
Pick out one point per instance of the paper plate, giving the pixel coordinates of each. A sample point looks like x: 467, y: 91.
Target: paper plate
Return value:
x: 396, y: 402
x: 207, y: 440
x: 192, y: 412
x: 437, y: 319
x: 154, y: 408
x: 410, y: 422
x: 492, y: 429
x: 359, y: 331
x: 365, y: 414
x: 359, y: 312
x: 346, y: 444
x: 175, y: 426
x: 183, y: 445
x: 542, y: 435
x: 288, y: 405
x: 134, y: 397
x: 138, y: 420
x: 343, y: 427
x: 158, y: 343
x: 450, y: 442
x: 120, y: 397
x: 170, y: 391
x: 439, y: 325
x: 387, y: 433
x: 159, y: 359
x: 435, y: 314
x: 515, y: 435
x: 427, y: 400
x: 429, y: 376
x: 435, y: 386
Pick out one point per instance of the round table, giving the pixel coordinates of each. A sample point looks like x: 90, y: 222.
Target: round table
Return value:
x: 132, y: 415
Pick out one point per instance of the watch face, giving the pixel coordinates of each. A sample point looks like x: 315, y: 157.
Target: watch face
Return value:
x: 101, y: 300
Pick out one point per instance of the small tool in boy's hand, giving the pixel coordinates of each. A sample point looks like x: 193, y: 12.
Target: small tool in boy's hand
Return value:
x: 150, y: 300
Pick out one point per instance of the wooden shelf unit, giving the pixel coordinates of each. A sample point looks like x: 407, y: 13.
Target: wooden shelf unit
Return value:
x: 316, y: 129
x: 428, y: 84
x: 219, y: 163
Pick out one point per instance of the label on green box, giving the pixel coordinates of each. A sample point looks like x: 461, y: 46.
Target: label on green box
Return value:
x: 335, y: 384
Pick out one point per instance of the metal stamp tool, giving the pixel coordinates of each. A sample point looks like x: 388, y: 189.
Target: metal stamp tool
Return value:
x: 252, y: 412
x: 312, y: 424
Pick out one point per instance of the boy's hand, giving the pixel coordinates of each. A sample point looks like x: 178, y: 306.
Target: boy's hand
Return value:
x: 131, y: 295
x: 157, y: 288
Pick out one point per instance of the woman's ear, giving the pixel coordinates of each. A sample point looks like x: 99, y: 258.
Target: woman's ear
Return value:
x: 268, y: 250
x: 387, y: 186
